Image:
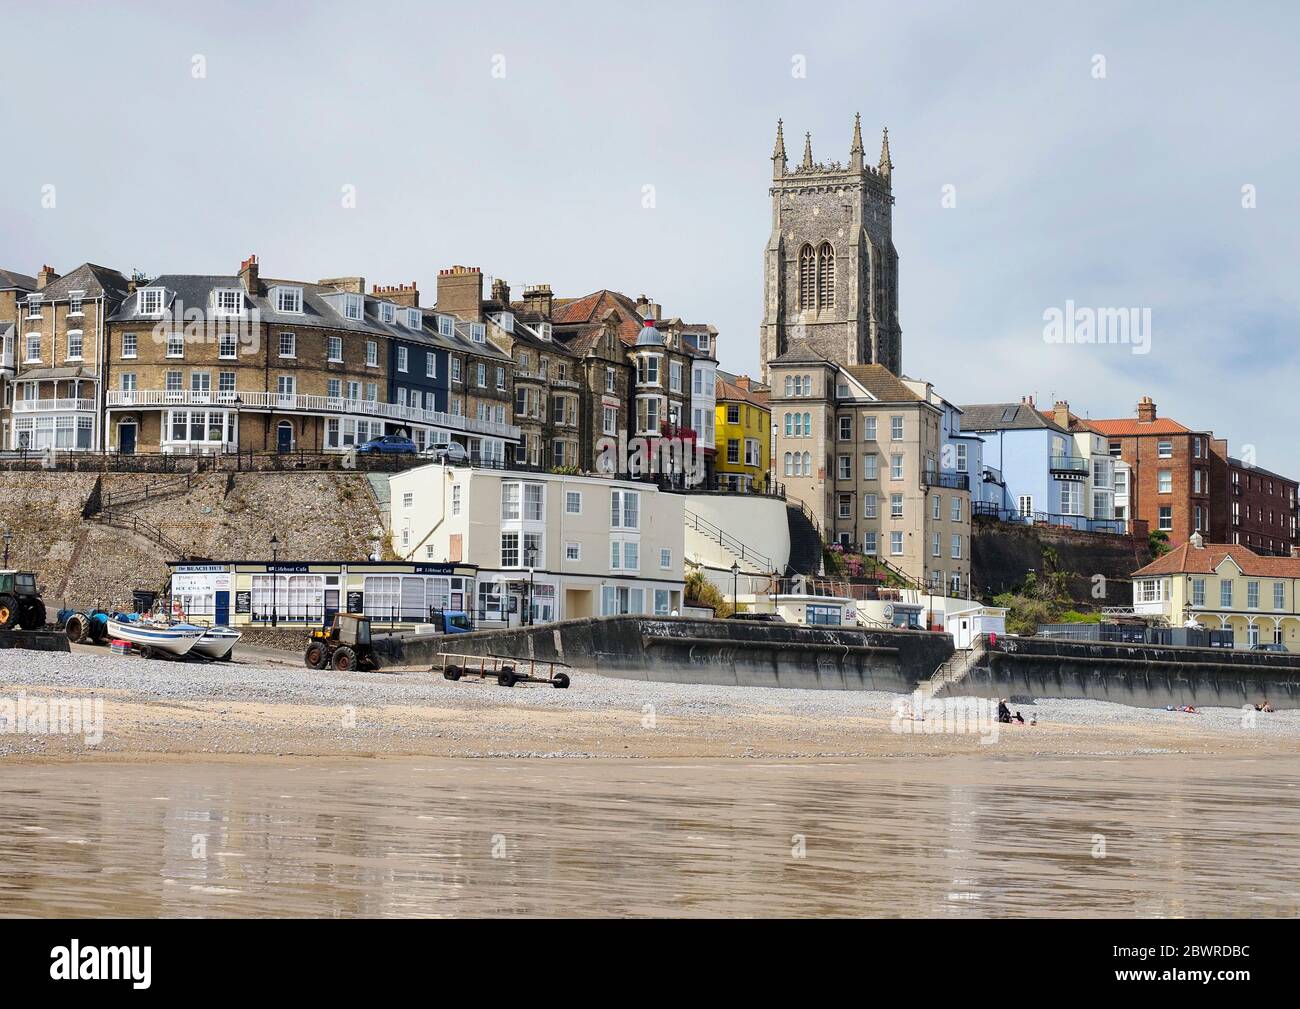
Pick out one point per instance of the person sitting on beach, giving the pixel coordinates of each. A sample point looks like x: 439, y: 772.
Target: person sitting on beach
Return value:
x: 1265, y: 706
x: 1004, y: 713
x: 1020, y: 718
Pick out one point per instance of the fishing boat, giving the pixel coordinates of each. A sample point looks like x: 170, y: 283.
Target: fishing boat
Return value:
x: 216, y: 643
x: 150, y: 637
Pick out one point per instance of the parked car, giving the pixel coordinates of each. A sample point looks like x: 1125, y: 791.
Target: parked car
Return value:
x: 1269, y: 646
x: 453, y: 453
x: 389, y: 444
x: 767, y: 618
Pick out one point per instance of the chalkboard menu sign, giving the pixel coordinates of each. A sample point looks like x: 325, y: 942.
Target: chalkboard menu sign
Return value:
x: 243, y: 602
x: 356, y: 601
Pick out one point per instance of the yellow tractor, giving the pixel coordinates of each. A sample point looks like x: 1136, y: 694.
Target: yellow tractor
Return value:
x: 344, y: 645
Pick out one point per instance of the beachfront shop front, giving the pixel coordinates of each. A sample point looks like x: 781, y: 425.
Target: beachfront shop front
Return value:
x: 396, y: 594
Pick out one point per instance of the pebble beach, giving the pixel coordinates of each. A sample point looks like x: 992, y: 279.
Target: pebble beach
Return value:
x: 267, y: 704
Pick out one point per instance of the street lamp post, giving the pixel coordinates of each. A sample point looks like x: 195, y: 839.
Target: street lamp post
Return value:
x: 275, y: 556
x: 530, y: 558
x: 776, y: 589
x: 239, y: 459
x: 735, y: 587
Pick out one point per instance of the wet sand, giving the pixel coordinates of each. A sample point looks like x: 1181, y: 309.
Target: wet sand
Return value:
x: 989, y: 836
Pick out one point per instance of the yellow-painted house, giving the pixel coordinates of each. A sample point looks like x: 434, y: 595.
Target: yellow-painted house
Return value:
x: 744, y: 436
x: 1224, y: 586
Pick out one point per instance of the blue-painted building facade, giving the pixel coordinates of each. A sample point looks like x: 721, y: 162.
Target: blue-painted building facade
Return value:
x: 1030, y: 468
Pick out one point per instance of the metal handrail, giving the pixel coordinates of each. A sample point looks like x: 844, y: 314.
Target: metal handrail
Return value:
x: 729, y: 542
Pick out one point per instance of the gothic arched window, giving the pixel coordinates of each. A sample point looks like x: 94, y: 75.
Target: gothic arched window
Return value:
x: 807, y: 278
x: 825, y: 276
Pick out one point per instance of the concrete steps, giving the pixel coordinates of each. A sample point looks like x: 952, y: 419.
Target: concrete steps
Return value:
x: 805, y: 543
x: 949, y: 675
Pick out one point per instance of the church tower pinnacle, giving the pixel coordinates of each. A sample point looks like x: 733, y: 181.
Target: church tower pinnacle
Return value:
x: 856, y: 152
x: 886, y: 167
x: 778, y: 153
x: 807, y: 152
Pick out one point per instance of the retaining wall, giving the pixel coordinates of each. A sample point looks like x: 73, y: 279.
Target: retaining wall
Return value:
x: 1143, y: 675
x: 35, y: 641
x: 689, y: 650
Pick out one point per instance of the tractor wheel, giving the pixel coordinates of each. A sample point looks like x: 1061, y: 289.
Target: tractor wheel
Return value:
x: 32, y: 616
x: 451, y: 673
x: 314, y: 656
x: 561, y: 681
x: 506, y: 677
x: 8, y: 612
x: 76, y: 628
x: 344, y: 659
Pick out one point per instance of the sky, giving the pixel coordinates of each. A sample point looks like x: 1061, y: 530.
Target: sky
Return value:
x: 1099, y: 155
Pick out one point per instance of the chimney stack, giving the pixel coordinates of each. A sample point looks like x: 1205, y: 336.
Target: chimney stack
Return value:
x: 1061, y: 413
x: 538, y: 298
x: 1295, y: 550
x: 501, y: 293
x: 45, y: 277
x: 348, y: 285
x: 1146, y: 410
x: 460, y: 292
x: 406, y: 295
x: 248, y: 275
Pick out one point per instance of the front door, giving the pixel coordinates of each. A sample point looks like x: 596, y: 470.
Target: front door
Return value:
x: 126, y: 439
x: 223, y: 609
x: 284, y: 437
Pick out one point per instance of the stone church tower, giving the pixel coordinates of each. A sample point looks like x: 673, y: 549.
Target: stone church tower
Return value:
x: 830, y: 271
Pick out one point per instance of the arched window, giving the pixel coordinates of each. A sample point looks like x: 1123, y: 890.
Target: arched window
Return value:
x: 807, y: 425
x: 807, y: 278
x: 789, y: 425
x: 788, y: 465
x: 825, y: 276
x: 807, y: 464
x: 789, y: 385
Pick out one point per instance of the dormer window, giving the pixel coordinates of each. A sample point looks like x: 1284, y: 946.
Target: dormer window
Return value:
x: 288, y: 300
x: 544, y: 330
x: 445, y: 325
x: 387, y: 312
x: 477, y: 332
x: 353, y: 307
x: 414, y: 319
x: 506, y: 320
x: 149, y: 301
x: 75, y: 299
x: 228, y: 301
x: 34, y: 305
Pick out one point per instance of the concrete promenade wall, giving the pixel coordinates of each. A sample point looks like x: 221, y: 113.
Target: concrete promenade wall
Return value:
x: 688, y: 650
x: 1142, y: 675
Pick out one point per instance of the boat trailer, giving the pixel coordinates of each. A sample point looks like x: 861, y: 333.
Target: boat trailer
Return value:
x: 506, y: 669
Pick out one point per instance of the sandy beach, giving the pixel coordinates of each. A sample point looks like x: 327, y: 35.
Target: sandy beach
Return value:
x: 267, y: 704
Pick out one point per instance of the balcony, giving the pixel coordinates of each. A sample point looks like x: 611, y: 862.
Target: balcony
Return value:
x: 157, y: 399
x: 53, y: 405
x: 948, y: 481
x: 1069, y: 465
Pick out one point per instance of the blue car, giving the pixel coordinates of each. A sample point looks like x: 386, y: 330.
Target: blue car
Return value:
x: 389, y: 444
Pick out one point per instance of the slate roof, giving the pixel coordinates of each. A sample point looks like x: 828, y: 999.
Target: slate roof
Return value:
x: 93, y: 281
x: 10, y: 279
x: 882, y: 383
x: 801, y: 353
x: 1006, y: 417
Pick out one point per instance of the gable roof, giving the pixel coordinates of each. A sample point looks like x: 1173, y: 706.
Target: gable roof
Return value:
x: 1006, y: 417
x: 882, y: 383
x: 1186, y: 559
x: 727, y: 391
x: 801, y: 353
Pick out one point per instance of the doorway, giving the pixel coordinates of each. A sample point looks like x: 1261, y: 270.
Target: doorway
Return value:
x: 126, y: 432
x: 284, y: 437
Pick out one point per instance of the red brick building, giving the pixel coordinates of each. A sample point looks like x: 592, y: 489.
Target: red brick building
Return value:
x: 1183, y: 481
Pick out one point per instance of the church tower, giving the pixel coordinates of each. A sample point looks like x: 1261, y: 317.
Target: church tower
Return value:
x: 830, y: 271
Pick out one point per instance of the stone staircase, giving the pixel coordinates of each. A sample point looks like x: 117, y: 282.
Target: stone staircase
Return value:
x: 805, y: 542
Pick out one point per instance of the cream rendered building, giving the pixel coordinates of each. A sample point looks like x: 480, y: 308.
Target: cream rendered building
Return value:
x: 555, y: 546
x: 862, y: 449
x: 1224, y: 586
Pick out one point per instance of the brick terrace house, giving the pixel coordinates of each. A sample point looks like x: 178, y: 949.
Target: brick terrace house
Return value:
x: 13, y: 288
x: 60, y: 356
x: 1178, y: 476
x: 1262, y: 508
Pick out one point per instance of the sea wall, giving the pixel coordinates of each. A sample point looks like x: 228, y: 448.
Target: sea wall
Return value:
x: 1142, y: 675
x: 688, y: 650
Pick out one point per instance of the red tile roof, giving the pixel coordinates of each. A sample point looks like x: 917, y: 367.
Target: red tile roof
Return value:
x: 1188, y: 560
x: 730, y: 391
x: 1128, y: 426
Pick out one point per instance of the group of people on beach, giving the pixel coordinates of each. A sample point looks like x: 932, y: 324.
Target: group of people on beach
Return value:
x: 1007, y: 718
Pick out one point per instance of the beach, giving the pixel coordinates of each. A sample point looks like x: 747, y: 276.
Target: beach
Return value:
x: 267, y: 704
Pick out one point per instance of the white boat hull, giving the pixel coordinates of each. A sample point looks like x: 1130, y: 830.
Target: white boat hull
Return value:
x: 217, y: 643
x: 160, y: 637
